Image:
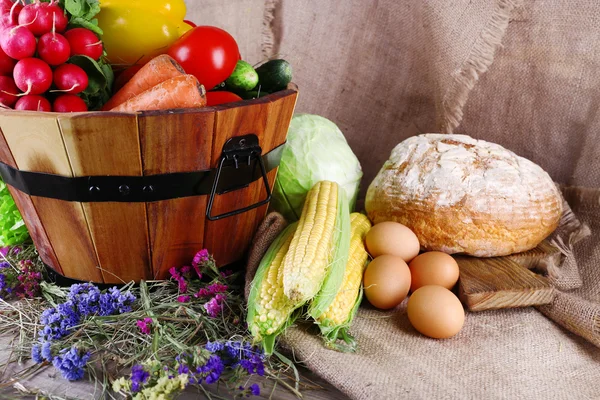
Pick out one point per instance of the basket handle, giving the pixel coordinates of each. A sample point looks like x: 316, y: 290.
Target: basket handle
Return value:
x: 234, y: 150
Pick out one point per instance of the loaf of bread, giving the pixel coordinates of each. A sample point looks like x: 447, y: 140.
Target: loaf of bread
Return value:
x: 461, y: 195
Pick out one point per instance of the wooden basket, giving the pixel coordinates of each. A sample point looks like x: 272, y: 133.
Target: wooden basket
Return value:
x: 120, y: 241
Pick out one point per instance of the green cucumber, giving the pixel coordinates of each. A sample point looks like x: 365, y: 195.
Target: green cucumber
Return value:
x: 243, y: 77
x: 253, y: 94
x: 274, y: 75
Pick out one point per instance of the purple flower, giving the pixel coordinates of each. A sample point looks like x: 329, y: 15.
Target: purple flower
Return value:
x: 214, y: 306
x: 185, y: 270
x: 41, y: 352
x: 4, y: 265
x: 4, y: 286
x: 58, y: 322
x: 36, y: 354
x: 201, y: 257
x: 4, y: 251
x: 217, y: 288
x: 213, y: 347
x: 114, y: 301
x: 70, y: 363
x: 183, y: 369
x: 212, y: 370
x: 138, y: 377
x: 253, y: 365
x: 226, y: 274
x: 203, y: 293
x: 86, y: 297
x: 255, y: 389
x: 183, y: 299
x: 47, y: 351
x: 183, y: 286
x: 144, y: 325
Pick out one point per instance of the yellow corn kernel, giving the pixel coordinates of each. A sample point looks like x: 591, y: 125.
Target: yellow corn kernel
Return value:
x: 340, y: 309
x: 272, y: 308
x: 305, y: 265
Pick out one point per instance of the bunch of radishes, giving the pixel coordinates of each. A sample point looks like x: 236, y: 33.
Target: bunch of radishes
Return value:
x: 35, y: 46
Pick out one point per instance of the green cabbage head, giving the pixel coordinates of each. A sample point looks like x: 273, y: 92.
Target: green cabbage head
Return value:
x: 316, y: 150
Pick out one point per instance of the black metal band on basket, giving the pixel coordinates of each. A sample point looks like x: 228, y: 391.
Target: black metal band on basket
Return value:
x: 241, y: 163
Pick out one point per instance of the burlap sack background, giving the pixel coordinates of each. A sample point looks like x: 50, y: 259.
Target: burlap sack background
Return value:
x: 386, y: 70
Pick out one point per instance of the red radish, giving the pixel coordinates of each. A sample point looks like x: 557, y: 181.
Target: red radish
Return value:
x: 70, y: 78
x: 53, y: 48
x: 33, y: 76
x: 60, y: 20
x: 84, y: 42
x: 6, y: 63
x: 5, y: 4
x: 69, y: 103
x: 8, y: 91
x: 41, y: 18
x: 33, y: 102
x: 9, y: 14
x: 18, y: 42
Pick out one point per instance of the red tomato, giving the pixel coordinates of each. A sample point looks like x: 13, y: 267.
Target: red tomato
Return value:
x: 190, y: 23
x: 207, y: 52
x: 215, y: 98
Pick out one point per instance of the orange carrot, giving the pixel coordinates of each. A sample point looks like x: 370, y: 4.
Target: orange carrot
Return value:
x: 157, y: 70
x: 121, y: 78
x: 183, y: 91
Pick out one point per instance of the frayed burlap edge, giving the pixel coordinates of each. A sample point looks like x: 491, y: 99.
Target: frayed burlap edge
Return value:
x: 269, y: 229
x: 478, y: 62
x: 269, y: 39
x: 565, y: 275
x: 571, y: 311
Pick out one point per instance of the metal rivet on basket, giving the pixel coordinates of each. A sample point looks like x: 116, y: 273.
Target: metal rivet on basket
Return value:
x: 148, y: 189
x: 94, y: 189
x: 124, y: 190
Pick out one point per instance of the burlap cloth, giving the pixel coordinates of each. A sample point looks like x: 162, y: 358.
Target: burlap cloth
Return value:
x: 523, y: 74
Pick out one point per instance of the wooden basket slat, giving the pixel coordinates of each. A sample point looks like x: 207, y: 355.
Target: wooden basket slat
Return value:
x: 114, y: 242
x: 260, y: 118
x: 36, y: 145
x: 102, y: 144
x: 177, y: 142
x: 30, y: 215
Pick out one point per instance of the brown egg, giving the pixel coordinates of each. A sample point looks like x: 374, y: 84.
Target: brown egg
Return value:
x: 435, y: 312
x: 386, y: 281
x: 393, y: 239
x: 433, y: 268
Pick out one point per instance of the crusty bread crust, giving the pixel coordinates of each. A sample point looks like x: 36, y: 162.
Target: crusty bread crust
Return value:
x: 461, y: 195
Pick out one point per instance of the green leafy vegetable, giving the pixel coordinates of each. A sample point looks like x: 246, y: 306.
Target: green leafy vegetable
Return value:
x: 316, y: 150
x: 100, y: 80
x: 12, y: 228
x: 92, y: 25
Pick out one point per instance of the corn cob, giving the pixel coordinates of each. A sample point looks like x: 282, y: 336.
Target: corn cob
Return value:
x: 339, y: 310
x: 269, y: 311
x: 320, y: 244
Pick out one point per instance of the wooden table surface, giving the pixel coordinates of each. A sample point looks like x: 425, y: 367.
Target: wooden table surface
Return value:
x: 49, y: 383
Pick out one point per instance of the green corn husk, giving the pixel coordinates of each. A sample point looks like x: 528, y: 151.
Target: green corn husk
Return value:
x: 12, y: 227
x: 330, y: 330
x: 335, y: 276
x: 332, y: 333
x: 259, y: 333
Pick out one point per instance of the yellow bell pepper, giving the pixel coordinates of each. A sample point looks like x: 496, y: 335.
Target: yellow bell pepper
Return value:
x: 135, y: 31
